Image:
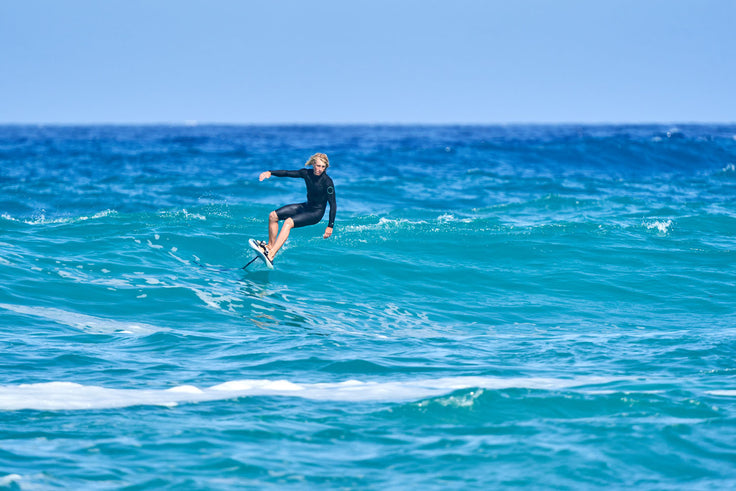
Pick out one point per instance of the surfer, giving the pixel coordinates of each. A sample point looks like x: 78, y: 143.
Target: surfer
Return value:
x: 320, y: 191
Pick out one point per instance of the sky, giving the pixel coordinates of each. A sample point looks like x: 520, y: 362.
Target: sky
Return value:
x: 367, y: 61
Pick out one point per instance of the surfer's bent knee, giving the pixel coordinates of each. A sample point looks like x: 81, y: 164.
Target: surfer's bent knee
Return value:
x: 289, y: 222
x: 273, y: 216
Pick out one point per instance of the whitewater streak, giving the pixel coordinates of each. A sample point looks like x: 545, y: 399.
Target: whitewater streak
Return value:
x: 52, y: 396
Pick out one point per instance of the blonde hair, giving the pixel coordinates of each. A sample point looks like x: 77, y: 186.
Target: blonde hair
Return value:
x: 318, y: 156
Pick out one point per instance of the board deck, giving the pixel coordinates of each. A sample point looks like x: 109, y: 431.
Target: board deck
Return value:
x: 254, y: 245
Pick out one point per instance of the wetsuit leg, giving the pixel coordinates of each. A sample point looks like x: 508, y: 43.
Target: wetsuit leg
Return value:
x: 301, y: 214
x: 288, y: 211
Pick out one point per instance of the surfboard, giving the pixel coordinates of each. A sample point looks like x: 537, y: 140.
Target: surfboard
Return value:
x: 254, y: 245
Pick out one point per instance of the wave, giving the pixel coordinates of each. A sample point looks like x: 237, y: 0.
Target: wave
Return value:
x: 43, y: 220
x: 10, y: 479
x: 83, y: 322
x: 727, y: 393
x: 72, y: 396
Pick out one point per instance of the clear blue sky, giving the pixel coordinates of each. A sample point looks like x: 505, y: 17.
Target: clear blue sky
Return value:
x: 367, y: 61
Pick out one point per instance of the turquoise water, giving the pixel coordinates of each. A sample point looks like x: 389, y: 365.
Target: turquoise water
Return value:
x: 545, y: 306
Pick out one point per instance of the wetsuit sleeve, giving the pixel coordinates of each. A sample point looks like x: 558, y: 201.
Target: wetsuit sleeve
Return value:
x: 287, y: 173
x: 333, y: 205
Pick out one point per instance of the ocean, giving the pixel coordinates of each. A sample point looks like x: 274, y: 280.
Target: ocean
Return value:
x: 550, y: 307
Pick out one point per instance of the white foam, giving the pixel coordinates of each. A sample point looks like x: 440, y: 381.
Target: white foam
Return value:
x: 42, y: 220
x: 390, y: 222
x: 730, y: 393
x: 384, y: 224
x: 184, y: 213
x: 183, y: 261
x: 155, y: 246
x: 449, y: 217
x: 221, y: 302
x: 83, y: 322
x: 72, y: 396
x: 662, y: 226
x: 10, y: 478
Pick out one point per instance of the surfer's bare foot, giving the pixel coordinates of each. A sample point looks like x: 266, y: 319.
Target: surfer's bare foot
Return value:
x: 266, y: 250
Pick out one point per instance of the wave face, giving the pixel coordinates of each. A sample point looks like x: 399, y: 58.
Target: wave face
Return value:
x: 549, y: 306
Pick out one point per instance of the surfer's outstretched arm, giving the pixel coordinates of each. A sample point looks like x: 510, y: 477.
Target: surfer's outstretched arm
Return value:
x: 282, y: 173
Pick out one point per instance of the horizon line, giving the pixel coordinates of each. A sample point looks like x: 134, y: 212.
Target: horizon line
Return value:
x: 195, y: 123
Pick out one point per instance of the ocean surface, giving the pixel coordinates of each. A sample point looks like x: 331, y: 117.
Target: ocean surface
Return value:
x: 499, y: 306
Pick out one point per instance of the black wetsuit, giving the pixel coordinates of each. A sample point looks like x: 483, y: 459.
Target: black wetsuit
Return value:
x: 320, y: 191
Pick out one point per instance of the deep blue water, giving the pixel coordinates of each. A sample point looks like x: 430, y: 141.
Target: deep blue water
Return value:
x: 546, y: 306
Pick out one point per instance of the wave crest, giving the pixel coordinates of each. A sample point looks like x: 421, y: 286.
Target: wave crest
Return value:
x: 72, y: 396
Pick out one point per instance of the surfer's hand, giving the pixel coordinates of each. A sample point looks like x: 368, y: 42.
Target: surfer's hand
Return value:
x: 328, y: 232
x: 264, y: 175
